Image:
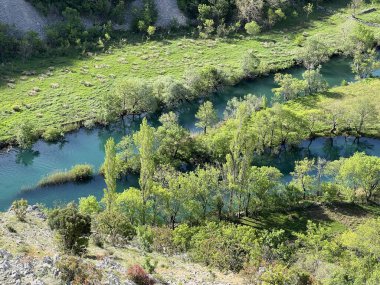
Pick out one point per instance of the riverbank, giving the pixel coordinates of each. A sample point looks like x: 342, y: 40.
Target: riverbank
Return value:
x: 69, y: 89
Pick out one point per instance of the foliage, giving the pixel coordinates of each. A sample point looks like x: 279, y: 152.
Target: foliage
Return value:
x: 206, y: 116
x: 114, y: 227
x: 52, y: 134
x: 110, y: 174
x: 250, y: 64
x: 26, y: 135
x: 20, y: 209
x: 89, y: 205
x: 252, y: 28
x: 73, y: 228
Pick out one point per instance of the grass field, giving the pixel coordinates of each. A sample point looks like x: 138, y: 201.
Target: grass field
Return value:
x: 63, y: 90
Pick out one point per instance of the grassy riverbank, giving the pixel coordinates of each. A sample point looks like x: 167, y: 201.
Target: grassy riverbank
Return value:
x: 63, y: 91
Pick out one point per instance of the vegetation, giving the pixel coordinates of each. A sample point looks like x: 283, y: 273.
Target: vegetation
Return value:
x: 78, y: 173
x: 88, y: 79
x: 20, y: 207
x: 211, y: 196
x: 73, y: 228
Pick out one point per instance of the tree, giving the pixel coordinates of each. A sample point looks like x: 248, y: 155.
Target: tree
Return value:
x: 301, y: 175
x: 314, y: 53
x: 20, y: 207
x: 130, y: 202
x: 360, y: 173
x: 364, y: 63
x: 263, y: 182
x: 110, y: 174
x: 135, y: 96
x: 206, y: 116
x: 250, y: 64
x: 169, y: 92
x: 145, y: 144
x: 314, y: 81
x: 363, y: 113
x: 172, y: 139
x: 252, y: 28
x: 238, y: 161
x: 290, y: 87
x: 73, y: 228
x: 89, y: 205
x: 249, y: 10
x: 26, y: 135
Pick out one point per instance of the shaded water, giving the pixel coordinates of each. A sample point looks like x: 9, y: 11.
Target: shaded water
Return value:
x: 23, y: 169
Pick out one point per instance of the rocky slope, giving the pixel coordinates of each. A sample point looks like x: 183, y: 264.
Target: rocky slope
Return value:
x: 29, y: 255
x: 23, y: 16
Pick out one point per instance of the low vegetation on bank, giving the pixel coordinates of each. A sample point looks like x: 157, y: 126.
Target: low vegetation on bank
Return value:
x: 78, y: 173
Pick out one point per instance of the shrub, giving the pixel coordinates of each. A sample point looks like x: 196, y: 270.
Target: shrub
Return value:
x: 113, y: 226
x: 52, y: 134
x: 252, y: 28
x: 145, y: 238
x: 163, y: 240
x: 20, y: 207
x: 73, y: 228
x: 78, y: 173
x: 73, y: 270
x: 150, y: 264
x: 138, y: 275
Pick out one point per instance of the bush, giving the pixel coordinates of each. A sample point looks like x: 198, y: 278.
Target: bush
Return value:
x: 163, y: 240
x: 52, y: 134
x: 73, y: 228
x: 138, y: 275
x: 252, y: 28
x: 145, y: 238
x: 114, y: 227
x: 73, y: 270
x: 20, y: 207
x: 78, y: 173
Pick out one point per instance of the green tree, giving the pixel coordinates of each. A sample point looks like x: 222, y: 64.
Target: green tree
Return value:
x: 145, y: 143
x: 26, y: 135
x: 130, y: 202
x: 364, y: 63
x: 314, y: 81
x: 302, y: 175
x: 314, y: 53
x: 289, y: 87
x: 206, y: 116
x: 263, y: 183
x: 135, y: 96
x: 89, y: 205
x: 250, y: 64
x: 173, y: 139
x: 110, y: 169
x: 361, y: 174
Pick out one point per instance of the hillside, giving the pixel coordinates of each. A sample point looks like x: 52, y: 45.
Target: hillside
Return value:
x: 29, y: 251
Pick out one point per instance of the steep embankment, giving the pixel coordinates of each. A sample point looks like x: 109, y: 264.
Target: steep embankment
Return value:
x: 29, y: 255
x: 22, y: 15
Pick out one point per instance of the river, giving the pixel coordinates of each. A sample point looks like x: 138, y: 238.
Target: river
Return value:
x: 23, y: 169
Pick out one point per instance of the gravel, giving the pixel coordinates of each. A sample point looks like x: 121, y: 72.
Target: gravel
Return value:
x: 168, y: 12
